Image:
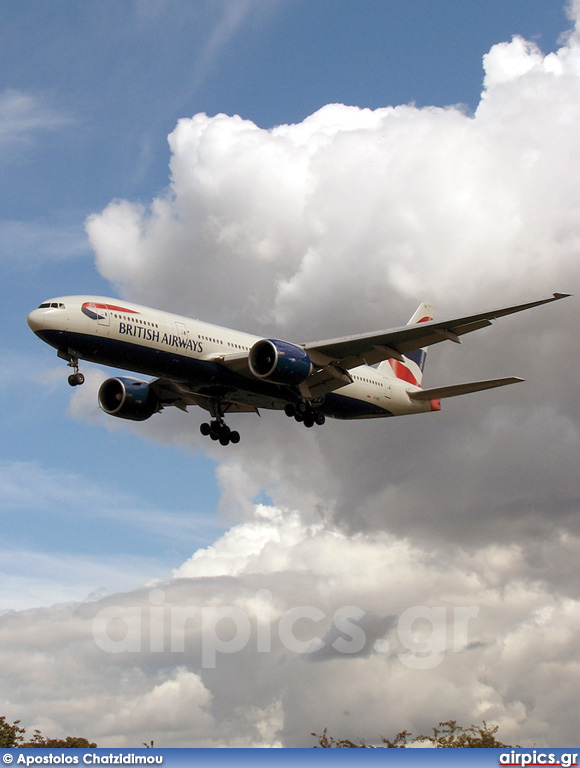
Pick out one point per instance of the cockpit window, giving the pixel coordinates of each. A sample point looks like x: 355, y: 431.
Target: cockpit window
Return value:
x: 52, y: 305
x: 44, y: 306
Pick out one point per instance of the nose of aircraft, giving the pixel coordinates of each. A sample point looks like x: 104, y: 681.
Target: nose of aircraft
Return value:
x: 36, y: 320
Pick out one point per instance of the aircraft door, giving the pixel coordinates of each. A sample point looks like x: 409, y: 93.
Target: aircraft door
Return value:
x: 182, y: 331
x: 103, y: 317
x: 103, y: 320
x: 101, y: 314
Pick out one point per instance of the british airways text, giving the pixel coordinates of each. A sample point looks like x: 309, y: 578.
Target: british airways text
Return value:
x: 149, y: 334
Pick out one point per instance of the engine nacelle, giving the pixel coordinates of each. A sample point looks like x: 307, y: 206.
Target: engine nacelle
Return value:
x: 279, y: 361
x: 128, y: 399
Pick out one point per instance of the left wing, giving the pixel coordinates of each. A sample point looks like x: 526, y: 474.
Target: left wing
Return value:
x: 178, y: 394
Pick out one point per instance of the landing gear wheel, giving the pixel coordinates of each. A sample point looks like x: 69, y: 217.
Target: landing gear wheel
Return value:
x: 289, y: 410
x: 319, y: 418
x: 217, y: 429
x: 302, y: 408
x: 79, y: 378
x: 309, y: 420
x: 224, y: 434
x: 72, y: 380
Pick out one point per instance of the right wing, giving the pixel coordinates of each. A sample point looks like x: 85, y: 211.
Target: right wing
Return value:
x: 350, y: 351
x: 334, y: 357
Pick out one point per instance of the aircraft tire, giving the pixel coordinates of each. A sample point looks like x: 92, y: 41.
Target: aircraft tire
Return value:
x: 319, y: 418
x: 205, y: 429
x: 235, y: 437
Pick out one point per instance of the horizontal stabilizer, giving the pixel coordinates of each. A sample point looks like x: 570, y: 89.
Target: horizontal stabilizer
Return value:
x: 461, y: 389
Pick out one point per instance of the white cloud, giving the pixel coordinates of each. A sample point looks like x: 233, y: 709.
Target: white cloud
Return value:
x: 31, y: 577
x: 23, y: 115
x: 475, y: 645
x: 343, y: 223
x: 29, y: 242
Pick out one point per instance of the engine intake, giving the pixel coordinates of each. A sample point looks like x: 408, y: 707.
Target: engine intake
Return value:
x: 128, y: 399
x: 279, y: 361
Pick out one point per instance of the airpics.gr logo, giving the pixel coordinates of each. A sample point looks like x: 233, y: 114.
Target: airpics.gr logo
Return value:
x: 99, y: 311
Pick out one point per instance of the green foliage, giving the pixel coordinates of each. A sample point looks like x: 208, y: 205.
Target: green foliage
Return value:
x: 11, y: 735
x: 449, y: 735
x: 454, y: 736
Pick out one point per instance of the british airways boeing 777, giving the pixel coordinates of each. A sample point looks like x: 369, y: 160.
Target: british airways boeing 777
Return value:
x: 226, y: 371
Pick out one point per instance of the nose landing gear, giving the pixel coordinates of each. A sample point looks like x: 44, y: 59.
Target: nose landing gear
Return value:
x: 76, y: 378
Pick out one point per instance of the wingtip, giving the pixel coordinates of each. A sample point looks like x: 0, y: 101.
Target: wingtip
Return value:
x: 562, y: 295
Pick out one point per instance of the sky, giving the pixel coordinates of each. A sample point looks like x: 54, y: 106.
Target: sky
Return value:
x: 302, y: 170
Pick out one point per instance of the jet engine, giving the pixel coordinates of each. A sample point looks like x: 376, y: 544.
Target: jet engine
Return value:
x: 128, y: 399
x: 279, y: 361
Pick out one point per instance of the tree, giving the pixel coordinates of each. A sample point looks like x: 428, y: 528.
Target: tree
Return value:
x: 12, y: 735
x: 449, y: 735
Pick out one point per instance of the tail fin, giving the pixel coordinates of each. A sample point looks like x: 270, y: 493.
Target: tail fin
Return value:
x: 411, y: 368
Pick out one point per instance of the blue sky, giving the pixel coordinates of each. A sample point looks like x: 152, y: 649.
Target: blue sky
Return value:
x: 100, y: 87
x: 364, y: 212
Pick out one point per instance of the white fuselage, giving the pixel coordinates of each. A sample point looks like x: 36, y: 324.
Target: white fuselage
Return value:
x: 125, y: 335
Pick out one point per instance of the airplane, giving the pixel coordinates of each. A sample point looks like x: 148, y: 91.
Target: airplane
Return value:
x: 226, y: 371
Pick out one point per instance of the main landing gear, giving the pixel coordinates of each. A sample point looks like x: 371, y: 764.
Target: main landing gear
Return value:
x: 305, y: 413
x: 219, y: 430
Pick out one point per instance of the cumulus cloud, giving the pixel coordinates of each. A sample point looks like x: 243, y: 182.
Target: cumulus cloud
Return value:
x: 343, y: 223
x: 280, y: 628
x: 428, y: 201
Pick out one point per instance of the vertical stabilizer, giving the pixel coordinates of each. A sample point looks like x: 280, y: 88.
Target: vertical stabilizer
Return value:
x: 411, y: 368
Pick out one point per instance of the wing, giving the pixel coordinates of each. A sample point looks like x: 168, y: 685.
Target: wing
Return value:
x: 180, y: 395
x: 372, y: 348
x: 334, y: 357
x: 462, y: 389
